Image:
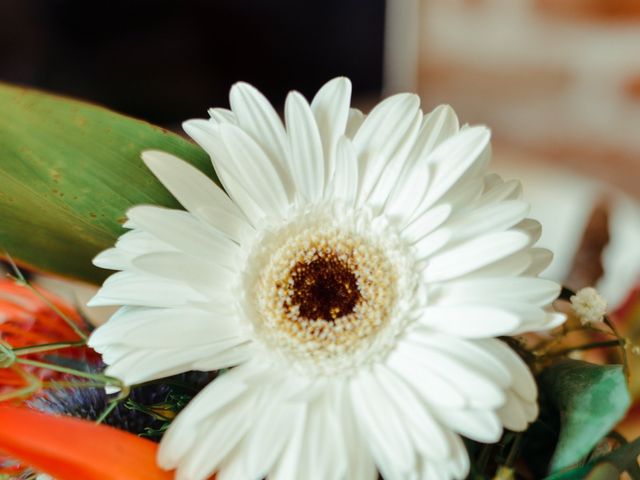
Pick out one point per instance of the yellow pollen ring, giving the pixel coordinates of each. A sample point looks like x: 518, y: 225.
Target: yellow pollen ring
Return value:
x: 324, y: 292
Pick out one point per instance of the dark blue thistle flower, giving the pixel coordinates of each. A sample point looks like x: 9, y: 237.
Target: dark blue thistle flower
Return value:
x: 147, y: 411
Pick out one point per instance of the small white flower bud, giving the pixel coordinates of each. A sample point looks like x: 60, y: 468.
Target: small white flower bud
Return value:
x: 589, y: 305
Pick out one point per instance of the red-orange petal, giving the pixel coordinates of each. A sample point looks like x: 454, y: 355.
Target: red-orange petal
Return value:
x: 71, y: 449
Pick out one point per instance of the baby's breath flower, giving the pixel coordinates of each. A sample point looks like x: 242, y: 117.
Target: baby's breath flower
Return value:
x: 589, y: 305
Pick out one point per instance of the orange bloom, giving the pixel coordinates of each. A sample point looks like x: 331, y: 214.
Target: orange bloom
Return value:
x: 27, y: 320
x: 71, y: 449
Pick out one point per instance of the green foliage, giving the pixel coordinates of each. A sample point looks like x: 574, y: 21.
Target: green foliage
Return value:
x: 606, y: 467
x: 69, y: 171
x: 591, y: 400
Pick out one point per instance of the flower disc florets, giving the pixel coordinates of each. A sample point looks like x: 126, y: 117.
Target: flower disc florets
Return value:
x: 325, y: 293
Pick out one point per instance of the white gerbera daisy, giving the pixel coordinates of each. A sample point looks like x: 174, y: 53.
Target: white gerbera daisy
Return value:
x: 355, y: 274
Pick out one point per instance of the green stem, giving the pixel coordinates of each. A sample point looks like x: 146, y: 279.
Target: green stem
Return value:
x: 124, y: 393
x: 513, y: 451
x: 107, y: 411
x: 46, y: 347
x: 105, y: 379
x: 587, y: 346
x: 483, y: 458
x: 622, y: 343
x: 20, y: 280
x: 65, y: 384
x: 32, y: 386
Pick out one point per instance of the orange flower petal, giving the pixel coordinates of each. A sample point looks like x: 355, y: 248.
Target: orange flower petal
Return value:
x: 71, y: 449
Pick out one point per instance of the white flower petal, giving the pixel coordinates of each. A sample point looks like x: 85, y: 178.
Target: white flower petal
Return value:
x: 137, y: 242
x: 143, y: 365
x: 381, y: 426
x: 251, y: 166
x: 474, y: 254
x: 394, y: 166
x: 383, y: 131
x: 238, y: 352
x: 330, y: 107
x: 157, y: 327
x: 181, y: 230
x: 540, y: 259
x: 200, y: 273
x: 344, y: 183
x: 523, y: 382
x: 186, y: 429
x: 470, y: 321
x: 259, y: 119
x: 465, y: 351
x: 113, y: 259
x: 454, y: 158
x: 288, y: 464
x: 306, y: 158
x: 431, y: 386
x: 437, y: 126
x: 536, y: 291
x: 323, y: 450
x: 512, y: 266
x: 133, y: 288
x: 478, y: 388
x: 513, y: 414
x: 511, y: 190
x: 491, y: 218
x: 431, y: 243
x: 479, y: 425
x: 427, y: 223
x: 222, y: 115
x: 530, y: 227
x: 196, y: 192
x: 356, y: 117
x: 219, y: 435
x: 208, y: 136
x: 411, y: 187
x: 269, y: 436
x: 427, y: 435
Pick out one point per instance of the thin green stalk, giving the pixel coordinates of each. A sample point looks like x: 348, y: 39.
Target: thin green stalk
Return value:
x: 514, y: 451
x: 33, y: 385
x: 586, y: 346
x: 105, y: 379
x: 20, y: 280
x: 124, y: 393
x: 71, y: 384
x: 107, y: 411
x: 622, y: 342
x: 46, y: 347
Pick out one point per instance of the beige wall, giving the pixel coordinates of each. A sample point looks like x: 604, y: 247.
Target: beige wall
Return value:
x: 556, y: 78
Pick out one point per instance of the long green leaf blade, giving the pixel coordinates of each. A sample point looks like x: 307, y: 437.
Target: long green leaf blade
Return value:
x: 68, y: 173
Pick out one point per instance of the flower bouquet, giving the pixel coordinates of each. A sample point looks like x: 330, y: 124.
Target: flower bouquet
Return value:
x: 330, y: 296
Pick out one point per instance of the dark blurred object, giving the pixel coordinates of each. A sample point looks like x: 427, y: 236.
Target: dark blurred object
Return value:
x: 167, y: 61
x: 587, y: 268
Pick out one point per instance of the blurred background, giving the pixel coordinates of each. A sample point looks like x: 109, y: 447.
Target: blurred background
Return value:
x: 558, y: 81
x: 166, y: 61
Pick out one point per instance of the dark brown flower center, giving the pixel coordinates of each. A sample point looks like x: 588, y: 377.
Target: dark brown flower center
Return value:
x: 324, y: 288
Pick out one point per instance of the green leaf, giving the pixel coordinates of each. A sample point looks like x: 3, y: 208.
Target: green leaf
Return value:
x: 591, y: 400
x: 604, y: 471
x: 585, y: 472
x: 68, y: 173
x: 609, y: 466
